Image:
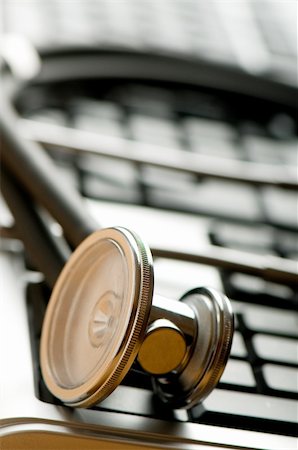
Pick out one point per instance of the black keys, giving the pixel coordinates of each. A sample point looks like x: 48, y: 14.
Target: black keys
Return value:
x: 281, y: 378
x: 238, y: 373
x: 257, y: 290
x: 212, y: 138
x: 238, y: 346
x: 275, y: 348
x: 97, y: 116
x: 281, y: 207
x: 253, y: 238
x: 248, y: 411
x: 213, y: 198
x: 269, y: 320
x: 287, y: 244
x: 138, y: 401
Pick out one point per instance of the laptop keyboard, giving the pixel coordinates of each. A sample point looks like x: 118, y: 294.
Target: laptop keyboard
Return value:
x: 184, y: 211
x: 208, y: 179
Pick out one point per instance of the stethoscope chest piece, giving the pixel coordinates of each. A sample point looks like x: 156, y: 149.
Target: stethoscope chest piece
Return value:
x: 102, y: 317
x: 97, y: 317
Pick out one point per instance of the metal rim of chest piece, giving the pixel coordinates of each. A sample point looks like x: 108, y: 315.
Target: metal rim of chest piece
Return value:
x: 96, y: 317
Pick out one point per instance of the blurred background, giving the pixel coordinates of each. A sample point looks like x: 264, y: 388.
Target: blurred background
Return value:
x: 258, y: 36
x: 177, y: 119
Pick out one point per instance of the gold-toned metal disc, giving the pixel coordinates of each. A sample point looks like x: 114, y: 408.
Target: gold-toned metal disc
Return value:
x: 97, y: 317
x: 163, y: 349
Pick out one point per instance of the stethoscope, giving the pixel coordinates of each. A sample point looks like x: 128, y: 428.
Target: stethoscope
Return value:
x: 103, y: 316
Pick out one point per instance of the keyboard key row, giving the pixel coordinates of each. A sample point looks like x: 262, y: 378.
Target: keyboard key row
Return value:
x: 238, y: 409
x: 275, y: 348
x: 247, y: 410
x: 281, y: 378
x: 240, y: 374
x: 263, y: 319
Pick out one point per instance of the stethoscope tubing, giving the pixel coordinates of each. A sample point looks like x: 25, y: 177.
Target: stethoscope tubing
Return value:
x: 30, y: 183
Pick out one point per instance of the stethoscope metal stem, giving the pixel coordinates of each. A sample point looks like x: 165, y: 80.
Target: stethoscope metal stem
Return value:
x: 176, y: 312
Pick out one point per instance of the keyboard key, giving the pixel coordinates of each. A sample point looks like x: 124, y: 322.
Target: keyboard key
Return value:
x: 211, y: 138
x: 271, y: 151
x: 234, y: 406
x: 263, y: 150
x: 116, y: 172
x: 276, y: 348
x: 163, y: 178
x: 174, y: 278
x: 108, y: 179
x: 99, y: 125
x: 49, y: 115
x: 145, y: 100
x: 281, y: 206
x: 270, y: 320
x: 95, y: 108
x: 97, y: 116
x: 255, y: 238
x: 238, y: 346
x: 214, y: 198
x: 95, y: 187
x: 287, y: 244
x: 281, y: 378
x: 216, y: 148
x: 205, y: 128
x: 154, y: 130
x: 264, y: 319
x: 241, y: 283
x: 289, y: 152
x: 129, y: 399
x: 136, y: 401
x: 283, y: 126
x: 239, y: 373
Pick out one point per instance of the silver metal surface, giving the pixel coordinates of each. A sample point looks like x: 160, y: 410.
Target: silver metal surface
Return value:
x: 176, y: 312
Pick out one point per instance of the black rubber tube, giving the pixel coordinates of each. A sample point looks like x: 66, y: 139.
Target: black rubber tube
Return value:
x: 37, y: 173
x: 40, y: 245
